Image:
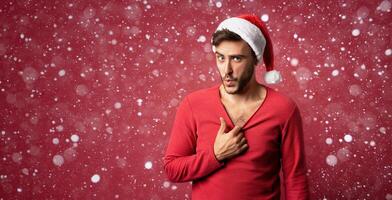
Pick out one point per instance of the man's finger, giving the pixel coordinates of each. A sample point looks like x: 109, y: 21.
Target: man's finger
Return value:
x: 236, y: 129
x: 222, y: 127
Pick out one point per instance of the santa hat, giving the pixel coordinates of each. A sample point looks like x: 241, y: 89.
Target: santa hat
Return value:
x: 253, y: 31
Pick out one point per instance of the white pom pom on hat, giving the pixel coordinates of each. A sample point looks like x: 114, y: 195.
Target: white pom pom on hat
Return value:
x: 253, y: 31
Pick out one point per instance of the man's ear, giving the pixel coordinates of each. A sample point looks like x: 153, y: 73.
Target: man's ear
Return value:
x: 256, y: 62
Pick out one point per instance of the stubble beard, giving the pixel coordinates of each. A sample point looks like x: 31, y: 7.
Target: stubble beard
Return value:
x: 242, y: 83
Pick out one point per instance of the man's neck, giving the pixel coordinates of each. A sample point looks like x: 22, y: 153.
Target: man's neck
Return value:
x: 251, y: 93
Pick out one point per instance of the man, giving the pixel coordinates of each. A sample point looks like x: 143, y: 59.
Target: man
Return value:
x: 231, y: 140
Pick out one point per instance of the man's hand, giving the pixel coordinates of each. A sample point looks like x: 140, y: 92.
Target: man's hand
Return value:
x: 229, y: 144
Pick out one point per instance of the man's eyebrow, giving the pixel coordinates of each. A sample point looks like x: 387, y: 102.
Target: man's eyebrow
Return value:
x: 234, y: 55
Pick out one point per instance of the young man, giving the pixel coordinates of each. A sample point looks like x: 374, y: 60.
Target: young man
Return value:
x: 231, y: 140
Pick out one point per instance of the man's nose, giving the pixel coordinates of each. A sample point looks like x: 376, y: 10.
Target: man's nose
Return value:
x: 227, y: 69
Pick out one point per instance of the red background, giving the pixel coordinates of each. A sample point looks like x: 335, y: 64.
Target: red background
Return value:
x: 90, y: 88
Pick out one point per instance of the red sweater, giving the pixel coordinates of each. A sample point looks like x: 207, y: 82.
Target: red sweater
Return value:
x: 275, y: 141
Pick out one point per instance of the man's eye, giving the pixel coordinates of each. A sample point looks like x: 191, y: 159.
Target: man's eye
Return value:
x: 237, y: 59
x: 220, y: 58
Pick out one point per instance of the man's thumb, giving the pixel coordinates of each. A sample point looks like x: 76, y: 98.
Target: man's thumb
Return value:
x: 222, y: 126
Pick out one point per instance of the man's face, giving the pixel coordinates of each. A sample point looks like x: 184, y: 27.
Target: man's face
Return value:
x: 236, y: 65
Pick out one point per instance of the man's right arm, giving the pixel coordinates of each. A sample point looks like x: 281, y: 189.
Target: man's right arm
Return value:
x: 181, y: 161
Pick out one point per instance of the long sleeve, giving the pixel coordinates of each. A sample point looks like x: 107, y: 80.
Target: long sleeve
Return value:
x: 293, y: 158
x: 181, y: 161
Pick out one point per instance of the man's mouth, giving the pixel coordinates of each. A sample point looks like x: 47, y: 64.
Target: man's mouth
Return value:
x: 229, y: 81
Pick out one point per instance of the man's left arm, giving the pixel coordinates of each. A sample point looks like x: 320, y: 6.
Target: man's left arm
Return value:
x: 293, y: 158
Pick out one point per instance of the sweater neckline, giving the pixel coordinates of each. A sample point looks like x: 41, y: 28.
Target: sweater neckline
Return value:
x: 226, y: 115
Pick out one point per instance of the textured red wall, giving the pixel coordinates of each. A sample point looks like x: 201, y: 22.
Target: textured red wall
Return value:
x: 89, y: 90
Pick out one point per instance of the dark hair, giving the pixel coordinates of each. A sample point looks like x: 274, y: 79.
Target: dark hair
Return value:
x: 224, y: 34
